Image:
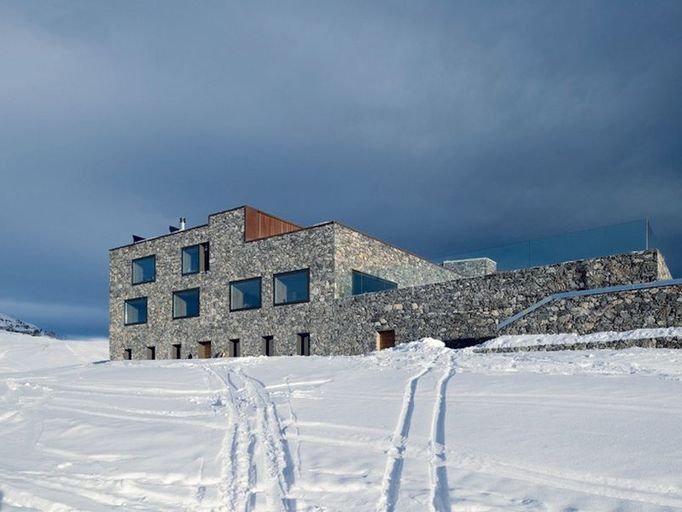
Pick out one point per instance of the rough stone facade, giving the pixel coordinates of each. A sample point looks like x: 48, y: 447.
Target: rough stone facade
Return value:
x: 357, y: 251
x: 330, y: 252
x: 660, y: 342
x: 620, y: 311
x: 466, y: 310
x: 474, y: 267
x: 430, y: 300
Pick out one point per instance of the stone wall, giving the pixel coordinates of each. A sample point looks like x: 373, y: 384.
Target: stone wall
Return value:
x: 472, y: 267
x: 621, y: 311
x: 357, y: 251
x: 660, y: 342
x: 472, y: 308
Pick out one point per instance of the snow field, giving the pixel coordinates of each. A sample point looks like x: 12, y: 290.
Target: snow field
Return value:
x: 415, y: 428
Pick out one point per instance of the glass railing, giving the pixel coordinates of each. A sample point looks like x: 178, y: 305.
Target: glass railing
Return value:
x: 591, y: 243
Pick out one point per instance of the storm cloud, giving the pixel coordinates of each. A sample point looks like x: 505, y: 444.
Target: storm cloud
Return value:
x: 438, y: 126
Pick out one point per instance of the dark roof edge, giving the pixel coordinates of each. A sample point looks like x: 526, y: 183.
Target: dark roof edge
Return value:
x: 242, y: 207
x: 157, y: 237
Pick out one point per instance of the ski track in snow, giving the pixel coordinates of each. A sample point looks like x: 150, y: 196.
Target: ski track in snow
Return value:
x: 440, y: 493
x: 278, y: 444
x: 390, y: 487
x: 255, y: 430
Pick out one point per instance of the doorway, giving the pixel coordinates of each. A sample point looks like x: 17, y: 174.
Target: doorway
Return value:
x: 235, y: 348
x: 204, y: 350
x: 304, y: 344
x: 385, y: 339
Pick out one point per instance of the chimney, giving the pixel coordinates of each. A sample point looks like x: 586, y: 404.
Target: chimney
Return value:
x: 183, y: 220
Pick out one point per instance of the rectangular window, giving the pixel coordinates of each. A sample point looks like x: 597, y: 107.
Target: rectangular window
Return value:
x: 366, y: 283
x: 268, y: 346
x: 186, y: 303
x: 195, y: 259
x: 136, y: 311
x: 291, y: 287
x: 235, y: 348
x: 176, y: 351
x: 304, y: 344
x: 151, y: 352
x: 127, y: 354
x: 245, y: 294
x: 144, y: 270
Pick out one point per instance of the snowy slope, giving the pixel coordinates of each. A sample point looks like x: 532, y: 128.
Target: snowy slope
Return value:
x: 7, y: 323
x: 416, y: 428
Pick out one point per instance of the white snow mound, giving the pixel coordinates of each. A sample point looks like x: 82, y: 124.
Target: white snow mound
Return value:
x: 423, y: 344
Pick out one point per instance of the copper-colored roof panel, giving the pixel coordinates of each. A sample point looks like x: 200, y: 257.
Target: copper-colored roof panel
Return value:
x: 259, y: 225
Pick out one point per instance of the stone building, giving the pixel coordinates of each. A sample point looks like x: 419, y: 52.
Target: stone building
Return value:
x: 248, y: 283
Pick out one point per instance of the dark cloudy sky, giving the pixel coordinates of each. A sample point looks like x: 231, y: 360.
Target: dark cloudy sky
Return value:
x: 439, y: 126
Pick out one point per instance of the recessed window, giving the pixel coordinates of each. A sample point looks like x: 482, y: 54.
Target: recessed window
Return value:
x: 136, y: 311
x: 144, y: 270
x: 195, y: 259
x: 151, y: 352
x: 268, y: 346
x: 366, y: 283
x: 245, y: 294
x: 291, y: 287
x: 304, y: 344
x: 127, y: 354
x: 186, y: 303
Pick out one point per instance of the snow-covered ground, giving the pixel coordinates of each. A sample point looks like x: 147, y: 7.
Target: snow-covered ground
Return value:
x: 416, y: 428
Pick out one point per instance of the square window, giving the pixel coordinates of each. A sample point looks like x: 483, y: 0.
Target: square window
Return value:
x: 195, y: 259
x: 144, y: 270
x: 135, y: 311
x: 186, y: 303
x: 291, y: 287
x: 245, y: 294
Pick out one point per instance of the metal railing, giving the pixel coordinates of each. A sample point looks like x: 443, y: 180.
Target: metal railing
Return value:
x: 585, y: 293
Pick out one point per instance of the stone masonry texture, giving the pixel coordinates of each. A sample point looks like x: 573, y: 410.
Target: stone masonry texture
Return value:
x: 430, y: 300
x: 474, y: 267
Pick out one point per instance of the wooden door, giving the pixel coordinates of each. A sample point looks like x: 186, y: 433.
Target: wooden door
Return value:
x: 385, y: 339
x: 204, y: 350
